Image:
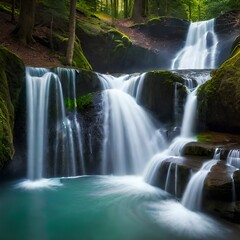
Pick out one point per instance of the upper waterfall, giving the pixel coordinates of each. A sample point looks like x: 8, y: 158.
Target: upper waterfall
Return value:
x: 200, y: 48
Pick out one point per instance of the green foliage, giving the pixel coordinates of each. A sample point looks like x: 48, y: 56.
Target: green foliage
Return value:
x: 81, y: 103
x: 204, y: 137
x: 59, y: 9
x: 120, y: 40
x: 7, y: 8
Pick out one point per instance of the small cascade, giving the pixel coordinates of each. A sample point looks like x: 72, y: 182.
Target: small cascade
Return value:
x: 171, y: 184
x: 176, y: 146
x: 167, y: 183
x: 189, y: 115
x: 127, y: 127
x: 54, y: 139
x: 233, y: 189
x: 233, y: 158
x: 200, y: 48
x: 176, y: 105
x: 192, y: 197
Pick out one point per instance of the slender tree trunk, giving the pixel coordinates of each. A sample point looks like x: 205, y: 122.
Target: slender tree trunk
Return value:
x: 71, y: 39
x: 13, y: 11
x: 190, y: 11
x: 125, y: 8
x: 166, y: 7
x: 24, y: 28
x: 138, y: 12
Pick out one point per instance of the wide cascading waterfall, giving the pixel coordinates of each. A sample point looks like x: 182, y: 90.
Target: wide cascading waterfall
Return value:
x: 54, y: 145
x: 127, y: 127
x: 200, y: 48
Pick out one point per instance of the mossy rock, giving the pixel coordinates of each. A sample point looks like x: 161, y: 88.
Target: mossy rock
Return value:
x: 81, y: 103
x: 158, y: 94
x: 219, y: 98
x: 60, y: 41
x: 199, y: 149
x: 11, y: 80
x: 165, y: 27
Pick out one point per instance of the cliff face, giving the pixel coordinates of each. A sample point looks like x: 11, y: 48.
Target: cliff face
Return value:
x: 11, y: 79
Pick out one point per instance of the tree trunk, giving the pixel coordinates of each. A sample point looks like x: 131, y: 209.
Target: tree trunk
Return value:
x: 24, y: 28
x: 138, y: 12
x: 13, y: 11
x: 125, y: 8
x: 71, y: 39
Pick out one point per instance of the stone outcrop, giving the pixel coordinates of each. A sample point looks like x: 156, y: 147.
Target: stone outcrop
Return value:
x: 227, y: 29
x: 218, y: 98
x: 157, y: 94
x: 11, y: 80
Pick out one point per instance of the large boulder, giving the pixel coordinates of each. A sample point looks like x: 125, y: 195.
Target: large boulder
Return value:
x: 109, y: 50
x: 169, y: 28
x: 158, y: 95
x: 11, y: 79
x: 219, y: 98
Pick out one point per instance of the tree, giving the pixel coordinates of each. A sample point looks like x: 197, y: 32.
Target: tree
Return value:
x: 71, y: 39
x: 138, y: 12
x: 24, y: 28
x: 13, y: 11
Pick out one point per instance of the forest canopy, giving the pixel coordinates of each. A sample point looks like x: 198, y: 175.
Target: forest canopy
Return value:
x: 192, y: 10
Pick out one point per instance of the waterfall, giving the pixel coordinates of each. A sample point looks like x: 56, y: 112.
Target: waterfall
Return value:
x: 127, y: 127
x: 189, y: 116
x: 233, y: 158
x: 176, y: 146
x: 200, y: 48
x: 192, y: 197
x: 54, y: 142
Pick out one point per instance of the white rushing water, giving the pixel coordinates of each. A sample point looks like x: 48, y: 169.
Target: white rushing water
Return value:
x: 130, y: 136
x: 200, y: 48
x: 233, y: 158
x: 192, y: 197
x: 45, y: 95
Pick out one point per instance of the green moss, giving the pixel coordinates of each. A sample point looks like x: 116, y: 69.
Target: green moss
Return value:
x: 219, y: 98
x: 169, y: 77
x: 11, y: 79
x: 79, y: 59
x: 204, y: 137
x: 81, y: 103
x: 153, y: 21
x: 85, y: 101
x: 7, y: 8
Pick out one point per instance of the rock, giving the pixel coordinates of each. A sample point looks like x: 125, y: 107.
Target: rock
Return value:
x: 183, y: 172
x: 79, y: 59
x: 227, y: 29
x: 218, y: 98
x: 158, y: 94
x: 11, y: 80
x: 109, y: 50
x: 218, y: 184
x: 169, y: 28
x: 199, y: 149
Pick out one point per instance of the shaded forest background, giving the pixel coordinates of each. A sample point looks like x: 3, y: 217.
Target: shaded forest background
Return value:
x: 191, y: 10
x: 106, y: 35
